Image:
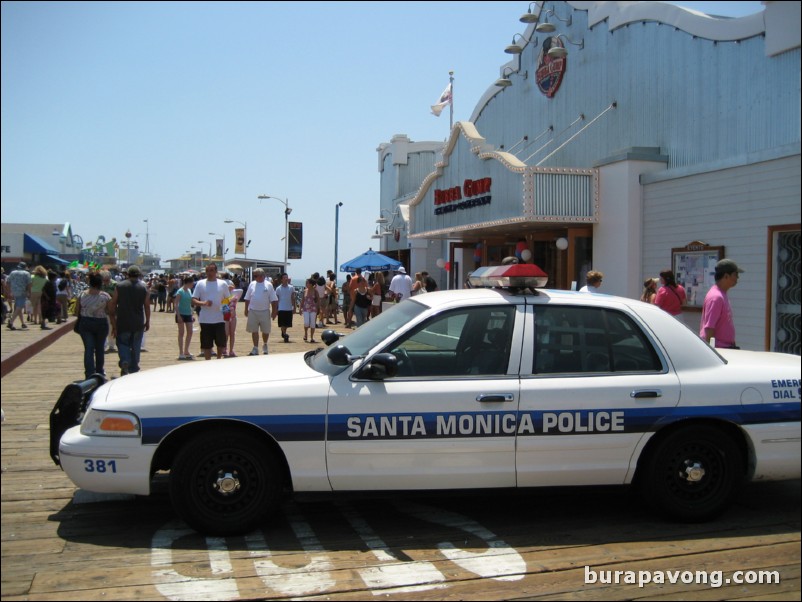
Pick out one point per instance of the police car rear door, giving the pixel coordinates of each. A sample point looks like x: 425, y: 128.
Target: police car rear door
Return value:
x: 596, y: 386
x: 447, y: 420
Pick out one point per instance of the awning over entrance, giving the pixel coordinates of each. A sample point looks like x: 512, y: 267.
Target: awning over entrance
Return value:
x: 57, y: 260
x: 34, y: 244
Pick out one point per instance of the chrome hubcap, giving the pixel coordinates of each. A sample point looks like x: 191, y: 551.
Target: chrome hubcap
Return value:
x: 227, y: 483
x: 694, y: 472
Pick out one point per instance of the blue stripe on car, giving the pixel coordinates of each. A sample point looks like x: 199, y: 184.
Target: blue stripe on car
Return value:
x: 430, y: 425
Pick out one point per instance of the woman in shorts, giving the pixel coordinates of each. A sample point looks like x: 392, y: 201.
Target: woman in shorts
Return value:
x: 184, y: 318
x: 310, y: 303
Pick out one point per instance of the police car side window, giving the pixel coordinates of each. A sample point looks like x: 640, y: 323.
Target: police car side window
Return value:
x: 465, y: 342
x: 590, y: 340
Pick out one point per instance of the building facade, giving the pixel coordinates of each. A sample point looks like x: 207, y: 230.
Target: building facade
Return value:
x: 50, y: 245
x: 625, y: 137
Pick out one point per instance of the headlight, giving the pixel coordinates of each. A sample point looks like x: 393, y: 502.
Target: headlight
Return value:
x: 110, y: 424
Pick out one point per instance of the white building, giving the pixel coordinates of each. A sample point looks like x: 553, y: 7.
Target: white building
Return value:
x: 626, y: 137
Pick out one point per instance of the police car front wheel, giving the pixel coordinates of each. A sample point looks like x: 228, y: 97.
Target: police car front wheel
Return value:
x: 693, y: 473
x: 225, y: 483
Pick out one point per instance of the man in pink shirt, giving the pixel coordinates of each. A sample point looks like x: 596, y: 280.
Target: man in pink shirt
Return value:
x: 716, y: 312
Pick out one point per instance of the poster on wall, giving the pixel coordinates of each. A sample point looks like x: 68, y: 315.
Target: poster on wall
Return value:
x: 694, y: 266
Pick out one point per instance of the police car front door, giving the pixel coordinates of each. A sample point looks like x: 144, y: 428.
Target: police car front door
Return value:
x: 447, y: 420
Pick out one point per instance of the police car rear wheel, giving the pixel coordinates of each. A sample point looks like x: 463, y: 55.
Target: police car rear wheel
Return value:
x: 224, y: 483
x: 693, y: 473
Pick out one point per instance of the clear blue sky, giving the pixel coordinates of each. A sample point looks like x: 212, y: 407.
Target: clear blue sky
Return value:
x: 183, y: 113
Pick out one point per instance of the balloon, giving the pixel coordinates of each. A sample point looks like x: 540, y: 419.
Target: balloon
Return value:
x: 526, y: 254
x: 448, y: 266
x: 520, y: 247
x: 441, y: 263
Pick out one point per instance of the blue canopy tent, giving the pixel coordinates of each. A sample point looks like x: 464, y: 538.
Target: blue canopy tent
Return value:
x: 370, y: 261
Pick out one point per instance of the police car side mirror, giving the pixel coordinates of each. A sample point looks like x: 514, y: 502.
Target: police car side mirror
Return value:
x: 339, y: 355
x: 329, y: 337
x: 380, y: 366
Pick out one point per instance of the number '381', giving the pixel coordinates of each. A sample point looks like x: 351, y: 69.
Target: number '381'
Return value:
x: 100, y: 466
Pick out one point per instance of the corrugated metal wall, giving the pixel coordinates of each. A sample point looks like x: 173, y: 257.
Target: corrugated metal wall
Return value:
x: 698, y: 101
x: 419, y: 165
x: 563, y: 196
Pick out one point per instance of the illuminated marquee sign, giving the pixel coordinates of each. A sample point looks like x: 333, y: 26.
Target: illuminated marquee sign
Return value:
x: 473, y: 193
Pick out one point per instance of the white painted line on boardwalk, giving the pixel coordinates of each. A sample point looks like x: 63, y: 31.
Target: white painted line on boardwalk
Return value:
x: 312, y: 578
x: 499, y: 561
x: 174, y: 586
x: 394, y: 575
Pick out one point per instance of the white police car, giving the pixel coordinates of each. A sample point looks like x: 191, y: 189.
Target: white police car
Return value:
x: 457, y: 389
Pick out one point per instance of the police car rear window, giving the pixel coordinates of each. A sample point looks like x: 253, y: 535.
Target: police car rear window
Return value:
x: 590, y: 340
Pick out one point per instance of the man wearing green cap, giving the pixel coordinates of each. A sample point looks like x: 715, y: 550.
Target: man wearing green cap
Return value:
x: 717, y: 320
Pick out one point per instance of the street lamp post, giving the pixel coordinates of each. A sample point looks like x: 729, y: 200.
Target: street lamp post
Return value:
x: 147, y: 236
x: 287, y: 211
x: 336, y: 236
x: 245, y: 242
x: 128, y: 247
x: 223, y: 250
x: 210, y: 248
x: 194, y: 257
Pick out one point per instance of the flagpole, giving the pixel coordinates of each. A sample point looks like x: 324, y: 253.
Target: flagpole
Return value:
x: 451, y: 104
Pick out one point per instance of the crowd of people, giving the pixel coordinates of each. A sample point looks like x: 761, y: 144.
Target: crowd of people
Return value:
x: 717, y: 326
x: 114, y: 311
x: 37, y: 296
x: 114, y: 314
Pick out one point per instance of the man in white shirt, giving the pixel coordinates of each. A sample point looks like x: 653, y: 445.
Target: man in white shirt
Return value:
x: 209, y: 295
x: 401, y: 285
x: 260, y: 298
x: 286, y: 305
x: 594, y: 282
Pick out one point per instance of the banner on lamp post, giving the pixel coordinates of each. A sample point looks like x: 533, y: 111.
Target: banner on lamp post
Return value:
x: 295, y: 247
x: 239, y: 235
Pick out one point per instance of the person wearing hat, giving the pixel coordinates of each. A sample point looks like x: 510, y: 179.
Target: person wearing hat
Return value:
x: 717, y: 320
x: 129, y: 312
x: 18, y: 284
x: 401, y: 285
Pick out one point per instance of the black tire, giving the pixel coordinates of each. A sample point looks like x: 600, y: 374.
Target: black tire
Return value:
x: 692, y: 474
x: 225, y: 483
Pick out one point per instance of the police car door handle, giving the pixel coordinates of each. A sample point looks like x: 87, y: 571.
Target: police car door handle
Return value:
x: 496, y: 397
x: 651, y: 393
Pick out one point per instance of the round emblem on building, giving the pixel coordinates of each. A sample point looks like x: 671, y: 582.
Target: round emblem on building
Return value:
x: 550, y: 70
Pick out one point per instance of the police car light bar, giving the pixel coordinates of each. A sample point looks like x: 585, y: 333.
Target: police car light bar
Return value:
x: 519, y: 275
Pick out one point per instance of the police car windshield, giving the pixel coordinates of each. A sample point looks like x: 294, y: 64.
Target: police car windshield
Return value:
x: 372, y: 332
